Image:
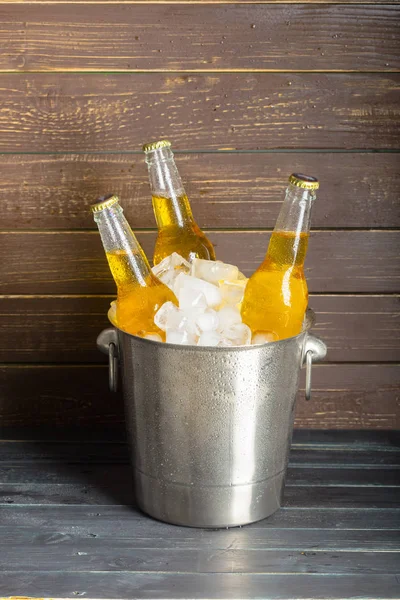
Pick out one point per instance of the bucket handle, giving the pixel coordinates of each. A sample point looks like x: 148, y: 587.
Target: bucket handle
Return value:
x: 107, y: 342
x: 314, y: 350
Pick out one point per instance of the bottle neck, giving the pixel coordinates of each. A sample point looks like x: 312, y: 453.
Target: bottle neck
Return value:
x: 289, y: 240
x: 295, y: 214
x: 119, y: 240
x: 170, y: 203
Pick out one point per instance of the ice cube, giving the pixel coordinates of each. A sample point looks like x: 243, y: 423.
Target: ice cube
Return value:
x: 155, y: 337
x: 180, y: 263
x: 112, y: 312
x: 163, y: 314
x: 264, y: 337
x: 170, y: 267
x: 239, y: 335
x: 209, y: 338
x: 213, y: 270
x: 210, y: 291
x: 225, y: 343
x: 175, y: 319
x: 228, y: 316
x: 178, y: 283
x: 232, y: 291
x: 182, y: 320
x: 190, y: 298
x: 173, y: 262
x: 208, y: 321
x: 180, y: 336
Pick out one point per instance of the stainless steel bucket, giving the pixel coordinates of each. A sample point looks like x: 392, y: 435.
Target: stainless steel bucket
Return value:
x: 210, y: 428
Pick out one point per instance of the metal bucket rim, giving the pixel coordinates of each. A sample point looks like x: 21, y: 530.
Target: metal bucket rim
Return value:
x: 309, y: 322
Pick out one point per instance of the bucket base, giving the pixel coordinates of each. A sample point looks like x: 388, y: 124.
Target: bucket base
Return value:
x: 211, y: 506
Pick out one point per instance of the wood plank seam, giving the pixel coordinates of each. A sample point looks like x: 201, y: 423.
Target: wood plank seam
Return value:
x: 197, y: 71
x: 211, y: 151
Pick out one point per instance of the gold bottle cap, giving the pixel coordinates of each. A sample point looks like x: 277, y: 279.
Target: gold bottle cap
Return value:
x: 304, y: 181
x: 156, y: 145
x: 104, y: 202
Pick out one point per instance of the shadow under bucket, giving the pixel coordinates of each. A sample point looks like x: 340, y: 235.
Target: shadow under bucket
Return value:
x: 210, y: 428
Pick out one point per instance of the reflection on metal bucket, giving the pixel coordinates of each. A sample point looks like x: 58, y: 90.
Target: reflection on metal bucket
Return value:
x: 209, y: 428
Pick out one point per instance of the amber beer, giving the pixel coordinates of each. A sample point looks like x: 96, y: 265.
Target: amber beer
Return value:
x: 276, y: 295
x: 140, y: 292
x: 177, y: 229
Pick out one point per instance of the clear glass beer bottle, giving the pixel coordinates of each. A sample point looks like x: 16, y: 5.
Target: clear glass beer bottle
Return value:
x: 140, y: 292
x: 276, y: 295
x: 177, y: 229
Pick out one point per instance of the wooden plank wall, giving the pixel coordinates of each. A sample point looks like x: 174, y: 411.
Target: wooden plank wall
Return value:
x: 247, y: 92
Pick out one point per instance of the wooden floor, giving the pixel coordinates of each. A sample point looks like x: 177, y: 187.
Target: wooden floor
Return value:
x: 69, y: 526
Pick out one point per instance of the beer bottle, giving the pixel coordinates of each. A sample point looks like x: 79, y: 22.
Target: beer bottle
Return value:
x: 177, y: 229
x: 276, y: 295
x: 140, y: 292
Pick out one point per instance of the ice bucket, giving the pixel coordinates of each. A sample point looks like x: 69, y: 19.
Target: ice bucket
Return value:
x: 210, y: 428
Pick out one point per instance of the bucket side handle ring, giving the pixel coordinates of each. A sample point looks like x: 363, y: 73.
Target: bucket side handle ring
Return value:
x: 107, y: 343
x: 314, y: 351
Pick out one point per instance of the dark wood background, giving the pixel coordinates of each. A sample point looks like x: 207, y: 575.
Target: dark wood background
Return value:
x: 247, y: 92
